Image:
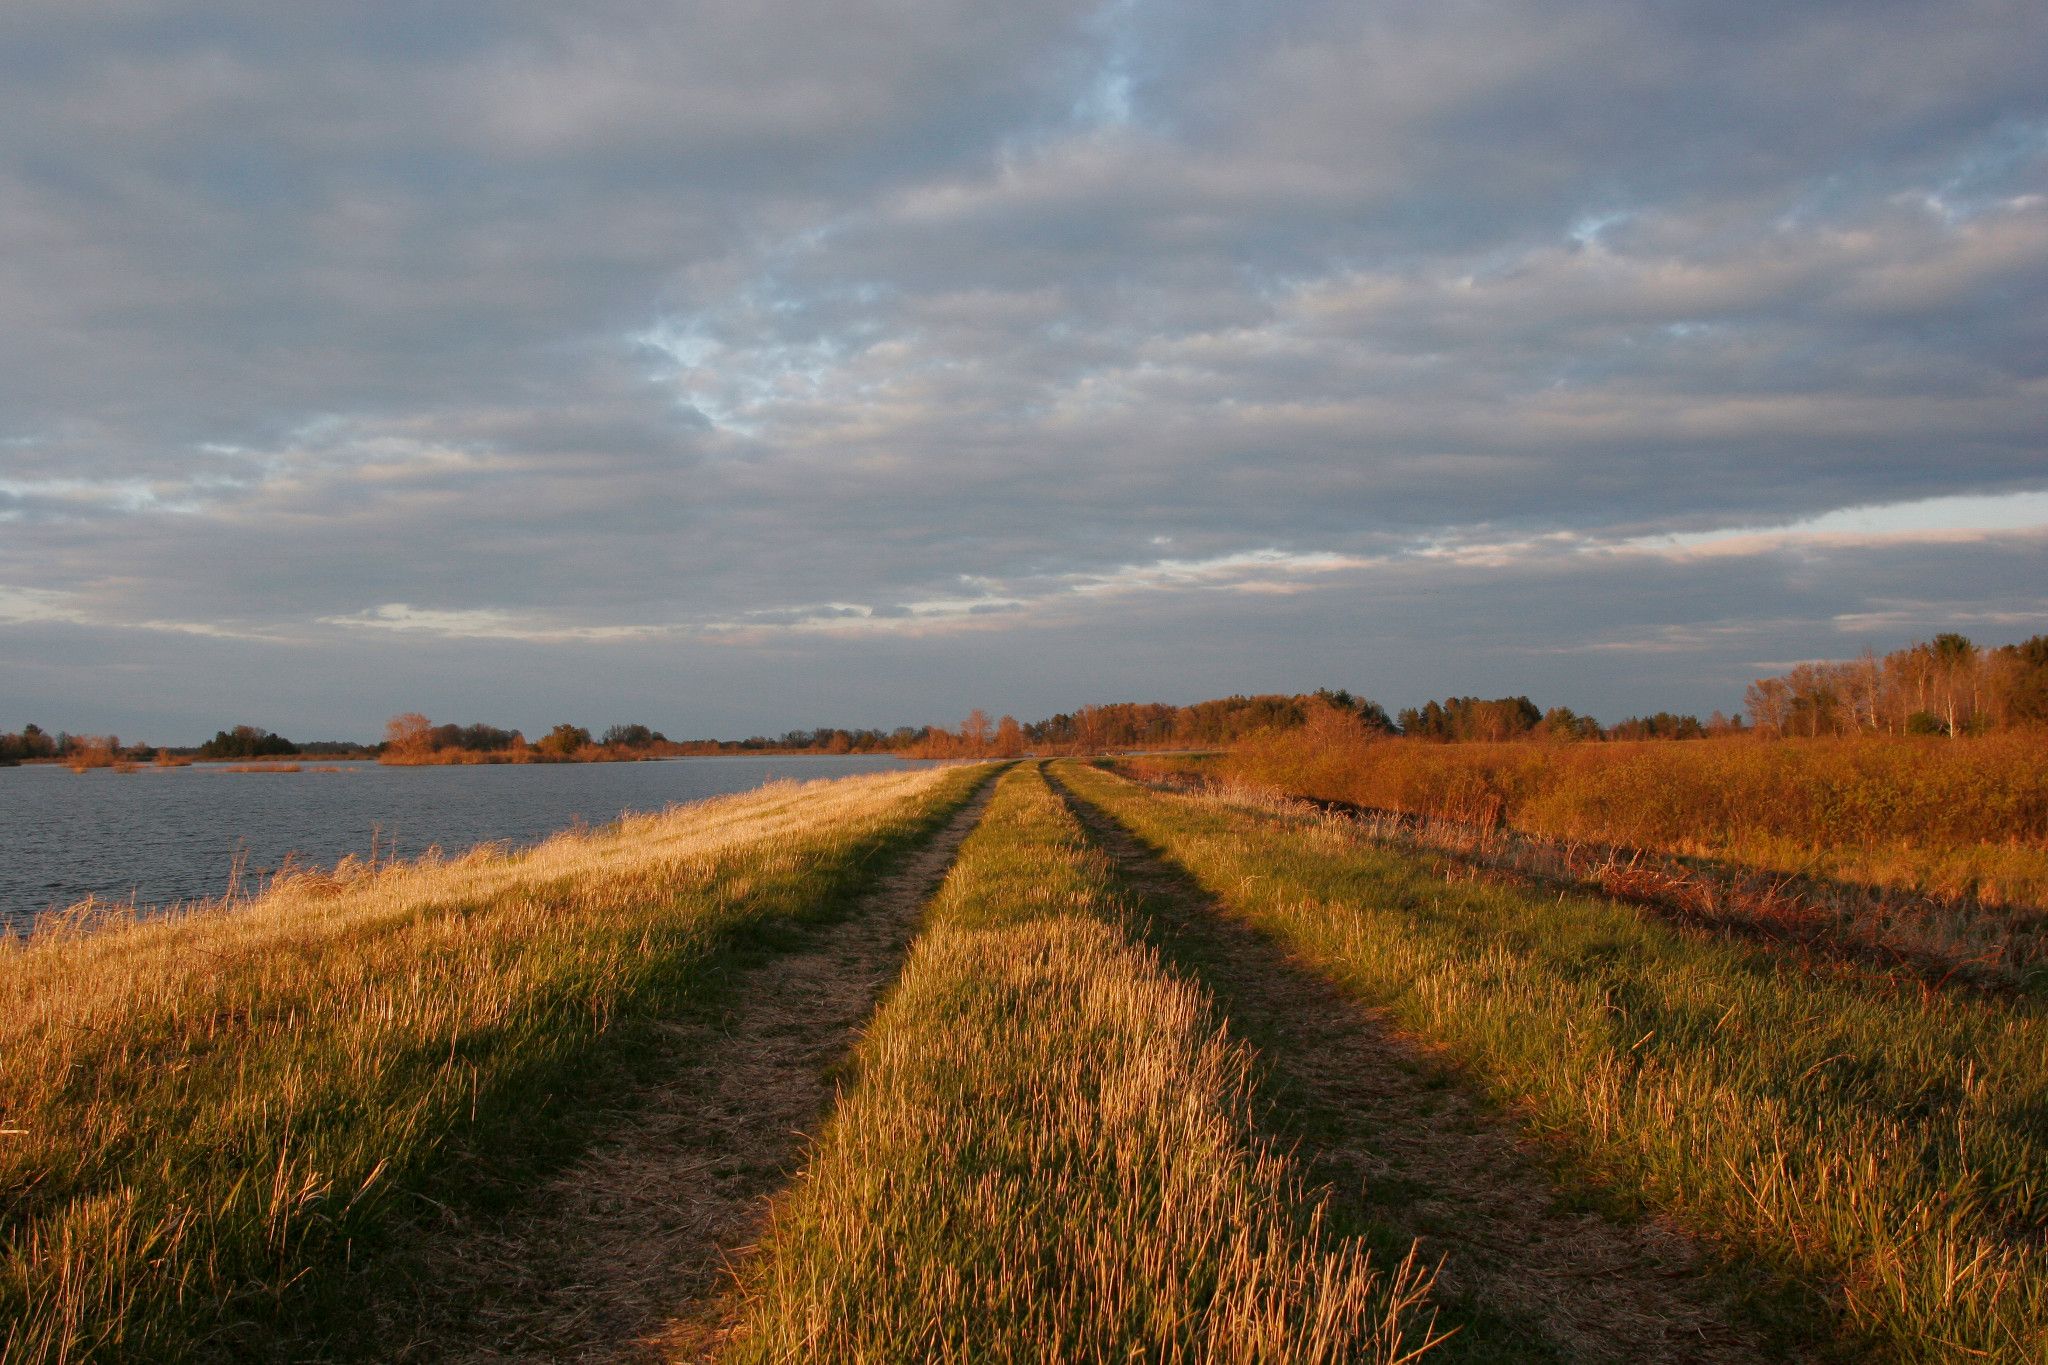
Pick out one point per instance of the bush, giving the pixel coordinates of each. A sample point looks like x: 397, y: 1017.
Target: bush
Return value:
x: 563, y: 741
x: 246, y: 741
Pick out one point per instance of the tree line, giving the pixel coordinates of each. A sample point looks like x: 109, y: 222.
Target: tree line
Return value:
x: 1482, y: 719
x: 1203, y: 724
x: 33, y: 744
x: 1944, y: 686
x: 412, y: 738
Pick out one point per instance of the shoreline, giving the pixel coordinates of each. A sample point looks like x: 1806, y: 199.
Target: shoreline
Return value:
x: 177, y: 843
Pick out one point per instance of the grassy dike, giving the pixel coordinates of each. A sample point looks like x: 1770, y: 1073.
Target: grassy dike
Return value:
x: 204, y: 1119
x: 1048, y: 1153
x: 1883, y: 1148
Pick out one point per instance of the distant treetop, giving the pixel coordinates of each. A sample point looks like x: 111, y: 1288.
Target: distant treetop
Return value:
x: 247, y: 741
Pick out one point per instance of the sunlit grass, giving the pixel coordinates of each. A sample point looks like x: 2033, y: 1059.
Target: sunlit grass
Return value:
x: 1948, y: 817
x: 1886, y: 1148
x: 1945, y: 942
x: 201, y: 1116
x: 1049, y: 1154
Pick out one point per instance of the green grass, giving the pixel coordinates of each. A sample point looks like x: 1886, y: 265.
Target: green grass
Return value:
x: 1883, y: 1149
x: 1049, y: 1154
x: 209, y: 1117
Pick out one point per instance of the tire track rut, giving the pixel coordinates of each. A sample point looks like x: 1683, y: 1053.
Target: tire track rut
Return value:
x: 621, y: 1256
x: 1404, y: 1148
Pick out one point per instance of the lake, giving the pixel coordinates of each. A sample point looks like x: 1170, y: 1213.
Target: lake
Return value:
x: 172, y: 834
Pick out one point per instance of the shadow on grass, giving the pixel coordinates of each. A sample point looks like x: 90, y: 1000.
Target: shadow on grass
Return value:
x: 384, y: 1301
x: 1536, y: 1265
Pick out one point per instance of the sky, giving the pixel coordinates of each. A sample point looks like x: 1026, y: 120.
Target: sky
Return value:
x: 741, y: 365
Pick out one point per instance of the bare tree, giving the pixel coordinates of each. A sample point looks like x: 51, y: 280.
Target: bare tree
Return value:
x: 409, y: 733
x: 1770, y: 704
x: 1955, y: 679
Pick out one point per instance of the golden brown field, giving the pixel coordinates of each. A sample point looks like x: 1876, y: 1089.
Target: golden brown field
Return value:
x: 1945, y: 817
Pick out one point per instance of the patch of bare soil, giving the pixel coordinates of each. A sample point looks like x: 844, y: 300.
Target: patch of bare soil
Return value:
x: 618, y: 1256
x: 1403, y: 1146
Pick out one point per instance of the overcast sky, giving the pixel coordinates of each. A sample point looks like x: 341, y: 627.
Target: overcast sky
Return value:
x: 745, y: 364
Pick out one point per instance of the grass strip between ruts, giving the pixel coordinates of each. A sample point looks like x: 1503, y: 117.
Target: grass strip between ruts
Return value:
x: 1049, y: 1154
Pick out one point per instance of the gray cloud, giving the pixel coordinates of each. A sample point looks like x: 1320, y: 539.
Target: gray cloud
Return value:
x: 938, y: 347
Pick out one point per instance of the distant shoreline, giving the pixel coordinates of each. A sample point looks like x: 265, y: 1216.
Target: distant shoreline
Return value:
x: 455, y: 759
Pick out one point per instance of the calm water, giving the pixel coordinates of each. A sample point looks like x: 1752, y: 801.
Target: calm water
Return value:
x: 169, y: 834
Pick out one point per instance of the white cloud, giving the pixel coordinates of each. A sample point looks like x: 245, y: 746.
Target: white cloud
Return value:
x: 1957, y: 520
x: 19, y: 605
x: 483, y: 623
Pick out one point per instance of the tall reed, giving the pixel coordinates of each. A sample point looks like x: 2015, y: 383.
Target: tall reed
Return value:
x: 1947, y: 817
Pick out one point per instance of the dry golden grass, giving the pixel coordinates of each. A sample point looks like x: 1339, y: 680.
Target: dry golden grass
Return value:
x: 1049, y: 1154
x: 1410, y: 1154
x: 1955, y: 818
x: 1937, y: 941
x: 1883, y: 1149
x: 200, y: 1115
x: 92, y: 751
